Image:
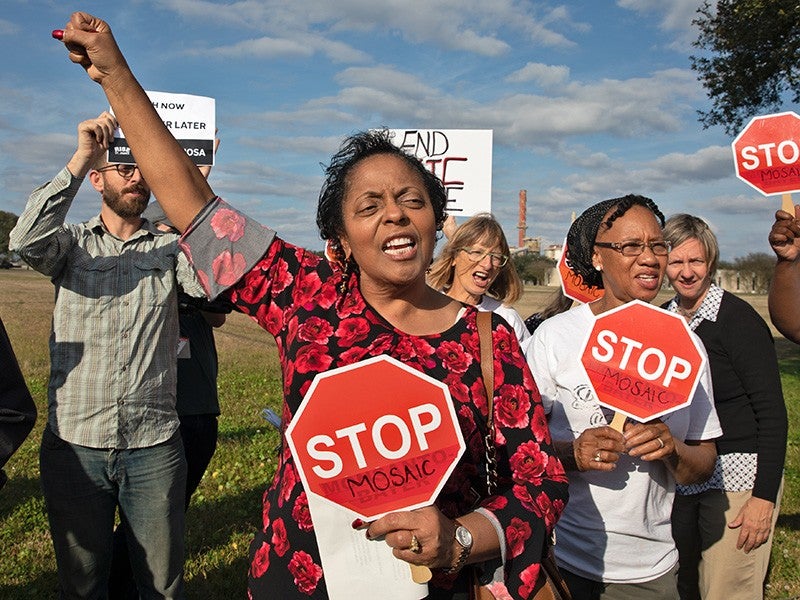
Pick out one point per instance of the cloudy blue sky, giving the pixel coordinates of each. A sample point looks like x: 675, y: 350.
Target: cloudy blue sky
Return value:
x: 588, y: 99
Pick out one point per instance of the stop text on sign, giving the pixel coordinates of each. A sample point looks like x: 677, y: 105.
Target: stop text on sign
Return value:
x: 424, y: 419
x: 651, y: 363
x: 787, y: 153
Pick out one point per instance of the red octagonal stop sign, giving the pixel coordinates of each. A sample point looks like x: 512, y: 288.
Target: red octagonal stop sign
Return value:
x: 573, y: 285
x: 767, y: 153
x: 375, y: 437
x: 642, y: 361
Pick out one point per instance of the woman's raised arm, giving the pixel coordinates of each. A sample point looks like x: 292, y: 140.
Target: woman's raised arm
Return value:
x: 172, y: 176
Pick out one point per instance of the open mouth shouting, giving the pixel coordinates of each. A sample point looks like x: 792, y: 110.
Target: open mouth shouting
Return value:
x: 401, y: 247
x: 482, y: 279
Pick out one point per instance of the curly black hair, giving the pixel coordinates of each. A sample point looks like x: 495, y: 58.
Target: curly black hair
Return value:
x: 583, y: 233
x: 354, y: 149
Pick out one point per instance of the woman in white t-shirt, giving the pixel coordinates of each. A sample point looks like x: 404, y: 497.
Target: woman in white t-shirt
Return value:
x: 475, y: 268
x: 614, y: 539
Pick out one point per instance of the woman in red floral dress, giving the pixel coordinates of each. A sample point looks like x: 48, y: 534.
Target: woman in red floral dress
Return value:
x: 380, y: 211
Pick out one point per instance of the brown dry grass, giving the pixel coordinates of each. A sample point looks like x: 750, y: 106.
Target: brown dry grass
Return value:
x: 226, y: 507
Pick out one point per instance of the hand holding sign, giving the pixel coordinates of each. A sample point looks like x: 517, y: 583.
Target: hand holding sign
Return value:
x: 374, y: 438
x: 420, y: 537
x: 649, y: 441
x: 784, y: 237
x: 598, y: 448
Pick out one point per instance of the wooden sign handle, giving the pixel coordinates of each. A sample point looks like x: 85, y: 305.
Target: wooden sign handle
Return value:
x: 618, y: 422
x: 787, y: 204
x: 420, y: 573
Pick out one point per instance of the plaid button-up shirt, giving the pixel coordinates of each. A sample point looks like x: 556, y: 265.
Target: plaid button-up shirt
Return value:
x: 114, y: 338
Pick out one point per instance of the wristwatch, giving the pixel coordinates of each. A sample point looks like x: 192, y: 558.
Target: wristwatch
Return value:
x: 464, y: 539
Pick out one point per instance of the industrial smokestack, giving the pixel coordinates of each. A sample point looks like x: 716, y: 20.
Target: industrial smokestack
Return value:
x: 523, y: 213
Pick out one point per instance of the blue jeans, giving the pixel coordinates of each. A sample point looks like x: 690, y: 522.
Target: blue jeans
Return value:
x: 199, y: 435
x: 82, y: 489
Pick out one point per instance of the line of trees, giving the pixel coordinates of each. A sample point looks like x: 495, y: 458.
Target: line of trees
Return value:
x: 756, y: 268
x: 754, y: 271
x: 7, y: 222
x: 532, y: 268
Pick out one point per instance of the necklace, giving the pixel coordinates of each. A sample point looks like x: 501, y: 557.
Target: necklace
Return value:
x: 686, y: 314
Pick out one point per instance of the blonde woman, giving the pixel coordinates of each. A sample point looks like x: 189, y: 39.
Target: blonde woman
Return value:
x: 723, y: 527
x: 475, y: 268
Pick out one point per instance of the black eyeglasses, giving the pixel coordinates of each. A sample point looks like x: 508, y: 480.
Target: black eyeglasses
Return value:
x: 498, y: 260
x: 125, y: 171
x: 659, y: 248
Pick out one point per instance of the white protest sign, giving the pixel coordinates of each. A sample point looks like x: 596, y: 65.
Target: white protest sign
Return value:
x: 191, y: 119
x: 461, y: 158
x: 354, y: 566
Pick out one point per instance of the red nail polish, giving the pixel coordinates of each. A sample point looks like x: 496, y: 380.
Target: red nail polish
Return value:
x: 58, y: 34
x: 357, y: 524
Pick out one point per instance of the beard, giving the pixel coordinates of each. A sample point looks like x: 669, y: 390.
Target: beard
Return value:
x: 133, y: 207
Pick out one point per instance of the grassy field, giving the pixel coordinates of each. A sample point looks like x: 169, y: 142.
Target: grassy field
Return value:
x: 226, y: 508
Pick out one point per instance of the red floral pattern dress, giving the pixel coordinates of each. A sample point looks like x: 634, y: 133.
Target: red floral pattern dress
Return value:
x: 320, y: 324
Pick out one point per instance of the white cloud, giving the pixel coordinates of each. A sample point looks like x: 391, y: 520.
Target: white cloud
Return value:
x: 389, y: 80
x: 8, y: 28
x: 541, y: 74
x: 298, y: 144
x: 262, y: 47
x: 309, y: 114
x: 707, y: 164
x: 741, y: 204
x: 675, y: 16
x: 630, y: 108
x: 474, y: 26
x: 37, y: 151
x: 274, y: 47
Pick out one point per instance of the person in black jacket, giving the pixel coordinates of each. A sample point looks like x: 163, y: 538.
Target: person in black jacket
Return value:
x: 17, y: 410
x: 723, y: 527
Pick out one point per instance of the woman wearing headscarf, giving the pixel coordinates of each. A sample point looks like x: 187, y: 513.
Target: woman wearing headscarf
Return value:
x: 614, y: 539
x: 723, y: 527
